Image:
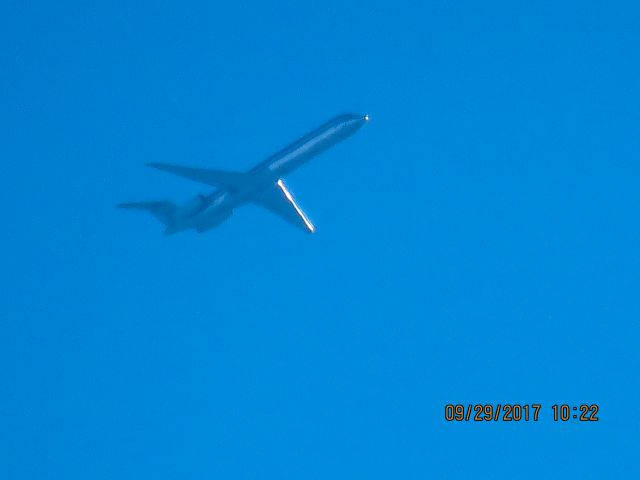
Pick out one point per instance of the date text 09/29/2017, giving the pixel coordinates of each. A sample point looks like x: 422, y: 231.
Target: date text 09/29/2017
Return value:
x: 518, y: 412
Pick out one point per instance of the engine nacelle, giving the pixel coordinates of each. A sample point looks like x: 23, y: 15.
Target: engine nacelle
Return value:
x: 192, y: 207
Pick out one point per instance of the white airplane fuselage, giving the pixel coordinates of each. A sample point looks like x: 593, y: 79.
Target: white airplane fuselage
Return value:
x: 204, y: 212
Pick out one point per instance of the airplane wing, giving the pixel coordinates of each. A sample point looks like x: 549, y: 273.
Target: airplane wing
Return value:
x: 215, y: 178
x: 279, y: 200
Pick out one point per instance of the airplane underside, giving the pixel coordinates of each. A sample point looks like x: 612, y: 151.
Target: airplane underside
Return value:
x: 261, y: 185
x: 203, y: 214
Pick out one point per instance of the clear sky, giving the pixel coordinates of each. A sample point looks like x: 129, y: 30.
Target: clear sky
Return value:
x: 477, y: 242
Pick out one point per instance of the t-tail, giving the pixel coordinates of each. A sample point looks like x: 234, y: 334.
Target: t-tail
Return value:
x: 163, y: 210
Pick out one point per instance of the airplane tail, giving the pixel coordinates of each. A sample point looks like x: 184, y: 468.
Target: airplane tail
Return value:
x: 162, y: 210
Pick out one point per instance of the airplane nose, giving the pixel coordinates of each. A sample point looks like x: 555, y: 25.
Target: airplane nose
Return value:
x: 365, y: 117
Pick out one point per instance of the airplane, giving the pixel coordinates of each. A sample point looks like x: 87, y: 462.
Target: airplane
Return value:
x: 262, y: 185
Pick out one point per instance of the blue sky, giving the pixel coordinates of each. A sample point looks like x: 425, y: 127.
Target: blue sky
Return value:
x: 477, y: 242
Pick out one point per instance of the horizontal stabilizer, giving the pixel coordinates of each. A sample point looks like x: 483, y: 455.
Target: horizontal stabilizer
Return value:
x: 278, y: 200
x: 215, y: 178
x: 162, y: 210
